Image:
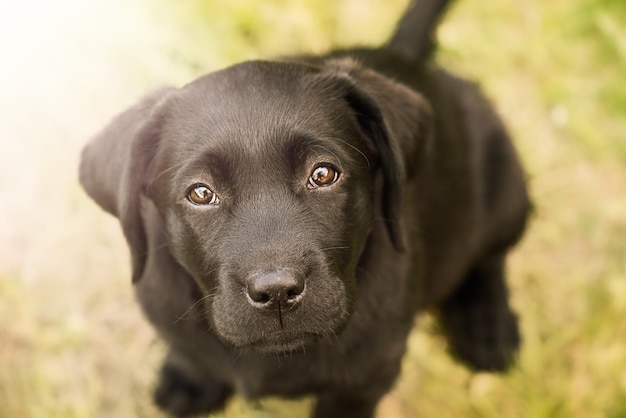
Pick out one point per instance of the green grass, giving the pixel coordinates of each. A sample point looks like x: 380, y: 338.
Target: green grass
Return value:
x: 73, y: 343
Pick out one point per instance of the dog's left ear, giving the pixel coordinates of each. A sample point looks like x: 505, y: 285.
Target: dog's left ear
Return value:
x: 399, y: 122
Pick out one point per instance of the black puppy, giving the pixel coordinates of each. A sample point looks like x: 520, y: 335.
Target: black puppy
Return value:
x: 287, y: 220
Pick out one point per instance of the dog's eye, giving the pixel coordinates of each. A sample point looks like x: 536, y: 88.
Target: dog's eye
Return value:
x: 323, y: 175
x: 200, y: 194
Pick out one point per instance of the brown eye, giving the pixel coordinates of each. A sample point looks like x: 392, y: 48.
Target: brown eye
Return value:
x: 202, y: 195
x: 323, y: 175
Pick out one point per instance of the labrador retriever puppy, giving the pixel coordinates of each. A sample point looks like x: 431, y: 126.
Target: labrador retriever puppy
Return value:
x: 288, y: 219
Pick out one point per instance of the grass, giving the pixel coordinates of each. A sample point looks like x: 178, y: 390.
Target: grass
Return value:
x: 73, y: 343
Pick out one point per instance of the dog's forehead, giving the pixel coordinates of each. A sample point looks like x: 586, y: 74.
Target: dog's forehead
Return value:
x: 260, y: 114
x: 252, y: 104
x: 253, y: 80
x: 255, y: 97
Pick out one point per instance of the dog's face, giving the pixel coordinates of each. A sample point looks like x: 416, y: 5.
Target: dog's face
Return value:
x: 268, y: 178
x: 267, y: 197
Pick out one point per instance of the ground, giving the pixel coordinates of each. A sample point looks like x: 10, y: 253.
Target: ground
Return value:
x: 73, y: 343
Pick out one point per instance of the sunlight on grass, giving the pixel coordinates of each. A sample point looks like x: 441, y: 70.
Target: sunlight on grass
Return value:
x: 73, y: 343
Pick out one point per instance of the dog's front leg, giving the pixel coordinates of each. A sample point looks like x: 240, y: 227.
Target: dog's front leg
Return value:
x: 481, y: 327
x: 181, y: 393
x: 345, y: 406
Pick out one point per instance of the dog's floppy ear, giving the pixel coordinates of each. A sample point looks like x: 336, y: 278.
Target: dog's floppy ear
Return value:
x: 399, y: 122
x: 114, y: 163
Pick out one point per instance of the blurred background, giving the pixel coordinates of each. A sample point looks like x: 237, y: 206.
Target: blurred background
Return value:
x: 73, y: 343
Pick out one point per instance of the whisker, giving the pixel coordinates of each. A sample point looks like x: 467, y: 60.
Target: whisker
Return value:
x: 161, y: 174
x: 334, y: 248
x: 202, y: 299
x: 209, y: 295
x: 330, y: 152
x: 354, y: 148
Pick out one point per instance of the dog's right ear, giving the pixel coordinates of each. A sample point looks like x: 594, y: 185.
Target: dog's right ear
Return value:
x: 114, y: 164
x: 397, y: 119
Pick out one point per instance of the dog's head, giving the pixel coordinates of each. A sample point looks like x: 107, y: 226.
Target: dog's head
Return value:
x: 268, y: 178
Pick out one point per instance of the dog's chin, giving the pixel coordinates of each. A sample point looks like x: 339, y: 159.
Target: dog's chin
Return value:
x: 281, y: 343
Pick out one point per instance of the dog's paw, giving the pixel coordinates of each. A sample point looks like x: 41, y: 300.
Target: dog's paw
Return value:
x: 179, y: 396
x: 484, y: 341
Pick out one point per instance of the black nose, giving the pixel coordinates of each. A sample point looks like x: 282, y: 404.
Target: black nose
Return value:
x: 275, y: 289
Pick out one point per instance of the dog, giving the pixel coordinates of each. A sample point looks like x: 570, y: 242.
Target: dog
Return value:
x: 288, y: 219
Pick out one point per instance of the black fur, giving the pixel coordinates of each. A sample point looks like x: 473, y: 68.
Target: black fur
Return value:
x: 284, y: 288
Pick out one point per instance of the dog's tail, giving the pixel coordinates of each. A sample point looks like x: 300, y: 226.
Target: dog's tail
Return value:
x: 414, y: 36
